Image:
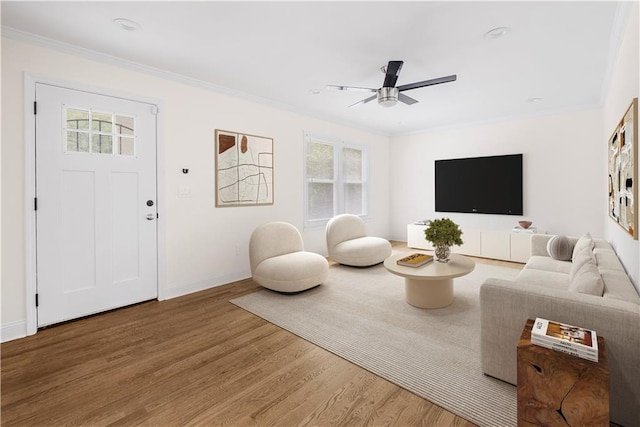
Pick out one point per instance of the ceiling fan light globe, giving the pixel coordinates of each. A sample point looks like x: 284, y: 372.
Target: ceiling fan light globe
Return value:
x: 389, y: 102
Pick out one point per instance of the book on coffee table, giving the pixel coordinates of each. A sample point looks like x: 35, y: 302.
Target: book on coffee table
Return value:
x: 415, y: 260
x: 569, y: 339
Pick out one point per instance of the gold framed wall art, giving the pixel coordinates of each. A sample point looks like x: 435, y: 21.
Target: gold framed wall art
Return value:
x: 623, y: 177
x: 244, y: 169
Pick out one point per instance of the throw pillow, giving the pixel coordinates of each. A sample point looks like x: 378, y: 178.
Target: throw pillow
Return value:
x: 585, y: 241
x: 587, y: 281
x: 560, y: 248
x: 580, y: 258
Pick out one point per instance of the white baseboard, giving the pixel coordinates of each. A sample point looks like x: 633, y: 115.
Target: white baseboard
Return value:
x: 18, y: 329
x: 189, y: 288
x: 13, y: 330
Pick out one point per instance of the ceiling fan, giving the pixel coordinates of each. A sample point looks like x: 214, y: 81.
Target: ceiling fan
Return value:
x: 388, y: 95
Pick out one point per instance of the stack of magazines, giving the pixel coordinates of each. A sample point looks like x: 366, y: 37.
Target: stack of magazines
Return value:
x: 569, y: 339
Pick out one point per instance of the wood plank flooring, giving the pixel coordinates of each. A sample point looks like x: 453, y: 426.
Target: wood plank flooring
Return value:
x: 194, y: 360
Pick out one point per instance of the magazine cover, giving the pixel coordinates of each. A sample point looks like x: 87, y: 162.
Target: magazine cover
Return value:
x: 573, y: 335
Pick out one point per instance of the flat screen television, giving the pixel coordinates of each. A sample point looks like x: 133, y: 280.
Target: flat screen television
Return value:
x: 487, y: 185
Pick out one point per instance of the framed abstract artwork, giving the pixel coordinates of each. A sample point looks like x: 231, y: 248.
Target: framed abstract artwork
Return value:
x: 623, y: 177
x: 244, y: 169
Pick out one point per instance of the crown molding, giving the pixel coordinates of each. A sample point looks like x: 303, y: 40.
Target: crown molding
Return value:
x: 68, y: 48
x: 501, y: 119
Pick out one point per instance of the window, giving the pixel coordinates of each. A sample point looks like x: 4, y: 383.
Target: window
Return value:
x: 335, y: 179
x: 88, y: 131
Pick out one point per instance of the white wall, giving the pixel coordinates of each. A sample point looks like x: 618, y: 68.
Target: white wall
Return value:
x: 623, y: 88
x: 201, y: 240
x: 562, y: 172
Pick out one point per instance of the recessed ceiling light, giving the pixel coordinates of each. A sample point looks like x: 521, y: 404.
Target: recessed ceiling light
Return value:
x: 126, y: 24
x: 496, y: 33
x: 532, y: 100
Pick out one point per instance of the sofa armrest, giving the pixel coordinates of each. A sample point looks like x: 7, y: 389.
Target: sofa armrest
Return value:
x: 505, y: 307
x: 539, y: 244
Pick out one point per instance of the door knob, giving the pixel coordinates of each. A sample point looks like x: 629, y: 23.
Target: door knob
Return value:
x: 151, y: 217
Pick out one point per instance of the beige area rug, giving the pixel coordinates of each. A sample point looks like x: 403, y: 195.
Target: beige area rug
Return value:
x: 360, y: 314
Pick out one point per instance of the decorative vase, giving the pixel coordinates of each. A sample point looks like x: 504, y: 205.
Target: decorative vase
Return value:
x: 442, y: 253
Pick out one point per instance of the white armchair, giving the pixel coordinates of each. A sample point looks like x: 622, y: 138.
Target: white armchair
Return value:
x: 348, y: 243
x: 279, y: 262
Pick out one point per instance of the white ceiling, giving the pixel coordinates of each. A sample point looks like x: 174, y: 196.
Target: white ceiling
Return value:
x: 282, y: 51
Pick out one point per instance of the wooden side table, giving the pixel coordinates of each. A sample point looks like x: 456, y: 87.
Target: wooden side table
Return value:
x: 557, y: 389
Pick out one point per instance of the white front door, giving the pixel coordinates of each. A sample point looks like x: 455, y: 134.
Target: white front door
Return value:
x: 96, y: 237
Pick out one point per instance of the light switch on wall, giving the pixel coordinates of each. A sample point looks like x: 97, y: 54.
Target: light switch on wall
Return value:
x: 184, y: 192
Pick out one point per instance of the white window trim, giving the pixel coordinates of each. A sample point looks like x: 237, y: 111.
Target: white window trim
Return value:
x: 338, y: 194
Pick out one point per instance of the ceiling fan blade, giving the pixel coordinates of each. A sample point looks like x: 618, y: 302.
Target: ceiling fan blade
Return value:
x: 431, y: 82
x: 364, y: 101
x: 391, y: 76
x: 350, y: 88
x: 406, y: 99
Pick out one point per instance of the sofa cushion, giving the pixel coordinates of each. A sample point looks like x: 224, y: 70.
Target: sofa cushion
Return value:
x: 601, y: 244
x: 607, y: 258
x: 587, y: 280
x: 559, y: 248
x: 544, y: 279
x: 548, y: 264
x: 583, y: 242
x: 617, y: 285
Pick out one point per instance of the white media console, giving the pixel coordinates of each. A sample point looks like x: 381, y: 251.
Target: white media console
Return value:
x: 503, y: 245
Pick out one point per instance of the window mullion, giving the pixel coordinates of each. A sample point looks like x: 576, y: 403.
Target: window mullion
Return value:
x: 365, y: 182
x: 338, y: 179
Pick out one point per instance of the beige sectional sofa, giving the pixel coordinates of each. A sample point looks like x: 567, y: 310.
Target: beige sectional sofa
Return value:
x: 566, y: 292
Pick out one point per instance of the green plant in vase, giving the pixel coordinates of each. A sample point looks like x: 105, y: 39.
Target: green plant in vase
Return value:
x: 443, y: 233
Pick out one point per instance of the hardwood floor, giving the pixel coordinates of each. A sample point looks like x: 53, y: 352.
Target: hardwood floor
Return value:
x: 194, y: 360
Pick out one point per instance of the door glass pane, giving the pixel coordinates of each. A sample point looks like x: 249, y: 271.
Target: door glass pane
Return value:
x: 101, y: 143
x: 77, y: 119
x: 127, y: 146
x: 102, y: 122
x: 100, y: 133
x: 124, y: 125
x: 77, y: 141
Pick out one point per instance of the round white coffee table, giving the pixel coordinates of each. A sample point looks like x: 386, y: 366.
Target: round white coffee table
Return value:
x: 431, y: 285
